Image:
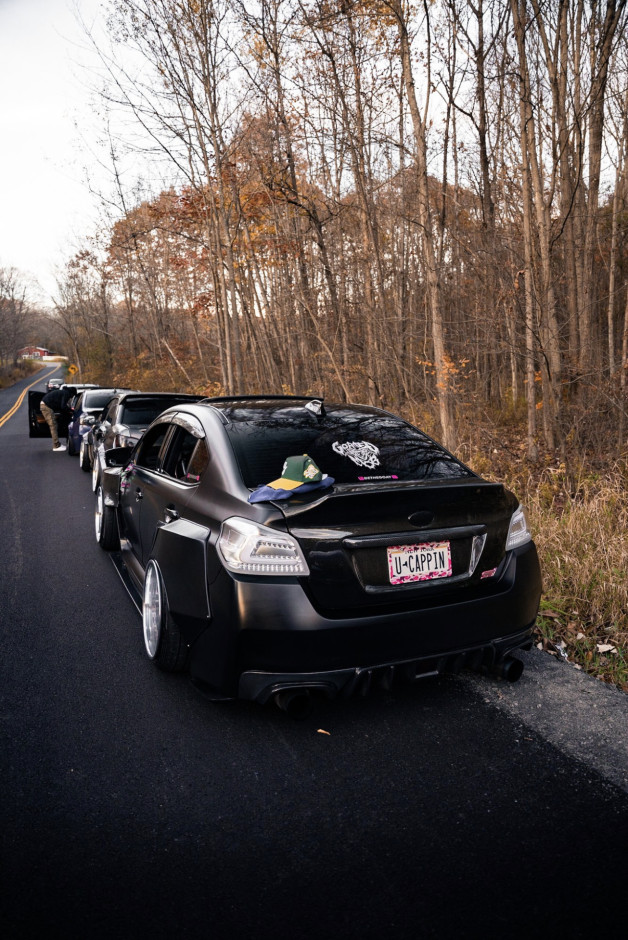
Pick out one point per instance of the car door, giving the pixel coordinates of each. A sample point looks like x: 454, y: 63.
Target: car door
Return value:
x: 138, y: 481
x: 164, y: 494
x: 37, y: 426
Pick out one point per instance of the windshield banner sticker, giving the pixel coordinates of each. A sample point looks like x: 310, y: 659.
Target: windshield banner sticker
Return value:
x: 360, y: 452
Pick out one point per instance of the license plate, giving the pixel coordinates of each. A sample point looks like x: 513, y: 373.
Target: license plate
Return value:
x: 419, y: 562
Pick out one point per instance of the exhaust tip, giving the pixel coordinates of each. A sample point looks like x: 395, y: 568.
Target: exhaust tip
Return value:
x: 509, y: 669
x: 297, y: 703
x: 514, y: 670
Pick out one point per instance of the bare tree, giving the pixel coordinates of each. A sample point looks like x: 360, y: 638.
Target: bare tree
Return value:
x: 18, y: 314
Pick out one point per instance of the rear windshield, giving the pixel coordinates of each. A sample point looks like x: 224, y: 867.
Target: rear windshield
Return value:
x: 351, y: 444
x: 139, y: 412
x: 96, y: 399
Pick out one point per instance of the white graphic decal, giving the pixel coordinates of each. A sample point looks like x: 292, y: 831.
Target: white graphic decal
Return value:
x: 360, y: 452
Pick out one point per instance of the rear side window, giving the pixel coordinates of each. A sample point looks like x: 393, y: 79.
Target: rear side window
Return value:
x: 198, y: 462
x: 354, y: 445
x: 187, y: 457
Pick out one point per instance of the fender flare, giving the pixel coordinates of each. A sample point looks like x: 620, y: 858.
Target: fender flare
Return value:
x: 180, y: 550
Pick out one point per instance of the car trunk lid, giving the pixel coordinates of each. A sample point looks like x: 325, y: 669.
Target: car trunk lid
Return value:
x: 382, y: 545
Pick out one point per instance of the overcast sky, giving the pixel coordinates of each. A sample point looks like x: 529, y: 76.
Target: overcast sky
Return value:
x: 46, y: 209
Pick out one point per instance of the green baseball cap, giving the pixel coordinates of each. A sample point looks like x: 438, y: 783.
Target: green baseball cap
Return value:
x: 295, y: 472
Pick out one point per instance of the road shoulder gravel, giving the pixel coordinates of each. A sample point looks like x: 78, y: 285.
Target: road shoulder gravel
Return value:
x: 577, y: 713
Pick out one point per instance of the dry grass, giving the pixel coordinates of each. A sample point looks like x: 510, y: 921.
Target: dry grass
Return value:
x: 579, y: 521
x: 583, y: 547
x: 10, y: 373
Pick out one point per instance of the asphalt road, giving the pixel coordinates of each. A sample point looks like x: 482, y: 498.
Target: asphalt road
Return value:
x: 132, y: 807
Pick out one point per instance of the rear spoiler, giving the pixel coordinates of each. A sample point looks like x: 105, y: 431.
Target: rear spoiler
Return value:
x: 348, y: 495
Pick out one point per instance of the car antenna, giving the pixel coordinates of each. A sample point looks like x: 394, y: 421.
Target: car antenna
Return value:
x: 316, y: 407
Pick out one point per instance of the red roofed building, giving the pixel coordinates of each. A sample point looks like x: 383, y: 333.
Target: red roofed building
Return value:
x: 33, y: 352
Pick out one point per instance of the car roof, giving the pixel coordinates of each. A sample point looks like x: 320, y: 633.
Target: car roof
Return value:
x: 223, y: 403
x: 100, y: 391
x: 272, y: 403
x: 226, y: 407
x: 179, y: 395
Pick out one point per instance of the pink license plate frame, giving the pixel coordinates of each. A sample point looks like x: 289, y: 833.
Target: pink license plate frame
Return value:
x: 427, y: 561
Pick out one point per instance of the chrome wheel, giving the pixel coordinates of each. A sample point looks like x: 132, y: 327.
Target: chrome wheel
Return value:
x: 152, y: 609
x: 99, y: 513
x: 95, y: 472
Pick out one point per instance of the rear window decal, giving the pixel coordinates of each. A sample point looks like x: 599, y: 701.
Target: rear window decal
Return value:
x: 362, y: 453
x: 380, y: 476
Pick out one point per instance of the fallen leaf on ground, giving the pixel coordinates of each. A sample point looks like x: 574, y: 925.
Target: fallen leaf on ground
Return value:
x: 320, y: 731
x: 605, y: 648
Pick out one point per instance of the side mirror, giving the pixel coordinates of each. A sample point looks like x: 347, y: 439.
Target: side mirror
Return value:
x: 117, y: 457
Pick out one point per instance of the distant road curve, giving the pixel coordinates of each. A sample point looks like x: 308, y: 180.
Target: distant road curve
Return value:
x: 16, y: 404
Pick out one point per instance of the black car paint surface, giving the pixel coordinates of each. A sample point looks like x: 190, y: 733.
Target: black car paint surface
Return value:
x: 340, y: 620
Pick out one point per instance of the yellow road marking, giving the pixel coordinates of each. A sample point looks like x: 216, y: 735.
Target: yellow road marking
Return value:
x: 14, y: 408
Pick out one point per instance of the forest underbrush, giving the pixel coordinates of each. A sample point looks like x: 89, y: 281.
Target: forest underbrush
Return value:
x: 12, y: 372
x: 578, y: 514
x: 583, y: 547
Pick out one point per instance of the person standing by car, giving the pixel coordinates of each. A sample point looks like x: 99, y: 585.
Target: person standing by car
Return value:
x: 53, y: 402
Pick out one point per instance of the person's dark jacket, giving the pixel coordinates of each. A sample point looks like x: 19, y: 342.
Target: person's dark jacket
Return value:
x: 58, y: 398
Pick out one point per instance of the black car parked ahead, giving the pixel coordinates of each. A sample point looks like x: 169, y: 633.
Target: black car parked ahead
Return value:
x: 408, y: 564
x: 122, y: 422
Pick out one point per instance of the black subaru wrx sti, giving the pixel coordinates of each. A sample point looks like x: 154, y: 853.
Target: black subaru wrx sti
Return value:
x: 388, y: 558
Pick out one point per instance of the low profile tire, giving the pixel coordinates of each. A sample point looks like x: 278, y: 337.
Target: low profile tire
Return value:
x: 84, y: 461
x: 106, y: 524
x: 163, y: 641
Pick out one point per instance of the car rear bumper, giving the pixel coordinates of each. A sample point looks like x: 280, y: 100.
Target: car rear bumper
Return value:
x: 281, y: 641
x: 261, y: 686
